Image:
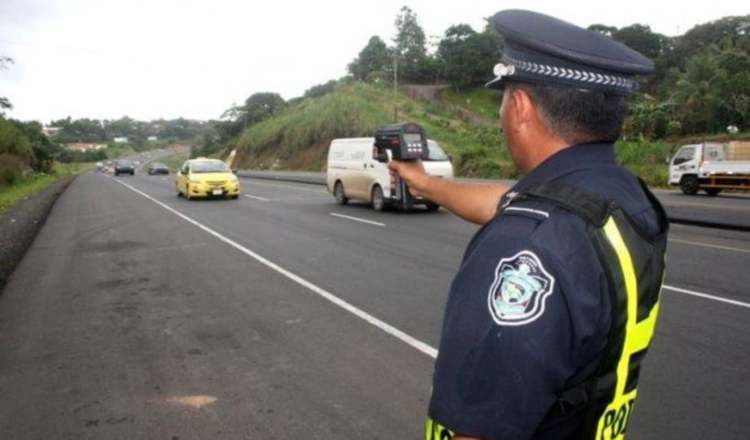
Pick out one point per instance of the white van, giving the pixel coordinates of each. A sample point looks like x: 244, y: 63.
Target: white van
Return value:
x: 352, y: 173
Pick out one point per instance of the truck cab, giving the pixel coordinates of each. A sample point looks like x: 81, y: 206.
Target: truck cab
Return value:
x: 712, y: 167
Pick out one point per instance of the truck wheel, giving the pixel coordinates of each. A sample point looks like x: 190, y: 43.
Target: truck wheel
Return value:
x: 689, y: 185
x: 338, y: 193
x: 432, y: 207
x: 713, y: 191
x: 378, y: 201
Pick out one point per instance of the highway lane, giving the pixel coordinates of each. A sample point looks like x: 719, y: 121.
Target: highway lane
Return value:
x: 728, y: 208
x: 398, y: 267
x: 731, y: 208
x: 375, y: 268
x: 124, y: 321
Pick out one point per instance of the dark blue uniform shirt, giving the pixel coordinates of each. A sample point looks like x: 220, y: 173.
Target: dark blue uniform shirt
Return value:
x: 528, y: 312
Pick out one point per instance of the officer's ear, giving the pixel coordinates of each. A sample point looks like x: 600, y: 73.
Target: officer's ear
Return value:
x: 521, y: 106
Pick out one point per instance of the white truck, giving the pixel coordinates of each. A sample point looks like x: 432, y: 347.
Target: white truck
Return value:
x: 711, y: 167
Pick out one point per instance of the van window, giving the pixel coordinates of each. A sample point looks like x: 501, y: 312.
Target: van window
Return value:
x: 686, y: 154
x: 435, y: 152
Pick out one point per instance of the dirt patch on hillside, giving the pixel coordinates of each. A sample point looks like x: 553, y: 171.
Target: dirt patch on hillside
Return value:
x: 310, y: 159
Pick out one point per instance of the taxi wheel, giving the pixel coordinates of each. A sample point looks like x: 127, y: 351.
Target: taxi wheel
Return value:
x: 338, y: 193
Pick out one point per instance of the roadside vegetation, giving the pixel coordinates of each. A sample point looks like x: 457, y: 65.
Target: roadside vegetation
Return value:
x: 174, y: 161
x: 29, y: 185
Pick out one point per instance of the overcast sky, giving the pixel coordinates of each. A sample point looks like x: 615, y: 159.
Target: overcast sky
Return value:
x: 170, y: 58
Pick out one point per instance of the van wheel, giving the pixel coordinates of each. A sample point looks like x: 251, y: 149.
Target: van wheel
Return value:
x: 432, y: 207
x: 378, y: 201
x: 689, y: 185
x: 338, y: 193
x: 713, y: 191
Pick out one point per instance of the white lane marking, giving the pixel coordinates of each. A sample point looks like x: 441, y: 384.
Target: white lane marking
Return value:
x: 357, y: 219
x: 294, y: 187
x: 391, y: 330
x: 262, y: 199
x: 706, y: 296
x: 708, y: 245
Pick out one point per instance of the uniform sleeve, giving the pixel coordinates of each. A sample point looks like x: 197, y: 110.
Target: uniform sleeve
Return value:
x: 507, y: 346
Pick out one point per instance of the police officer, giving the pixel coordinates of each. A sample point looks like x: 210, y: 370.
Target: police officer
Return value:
x: 555, y: 302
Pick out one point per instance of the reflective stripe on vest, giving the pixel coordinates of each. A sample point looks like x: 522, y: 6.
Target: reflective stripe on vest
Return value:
x: 435, y: 431
x: 613, y: 422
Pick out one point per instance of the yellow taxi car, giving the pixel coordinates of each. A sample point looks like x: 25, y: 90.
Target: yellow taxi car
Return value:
x: 203, y: 177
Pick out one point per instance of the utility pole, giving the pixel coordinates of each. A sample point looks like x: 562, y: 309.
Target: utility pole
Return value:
x: 395, y: 88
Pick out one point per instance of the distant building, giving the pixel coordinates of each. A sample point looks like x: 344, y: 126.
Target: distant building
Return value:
x: 153, y: 138
x: 84, y: 147
x: 51, y: 131
x: 121, y: 140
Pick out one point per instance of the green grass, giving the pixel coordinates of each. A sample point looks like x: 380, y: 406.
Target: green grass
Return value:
x: 119, y: 150
x: 174, y: 161
x: 27, y: 186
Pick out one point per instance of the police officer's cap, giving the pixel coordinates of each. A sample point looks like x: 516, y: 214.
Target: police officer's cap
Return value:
x: 540, y: 49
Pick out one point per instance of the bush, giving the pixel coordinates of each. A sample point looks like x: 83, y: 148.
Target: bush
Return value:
x: 9, y: 176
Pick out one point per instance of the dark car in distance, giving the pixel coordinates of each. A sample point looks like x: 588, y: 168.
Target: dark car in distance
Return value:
x: 157, y: 168
x: 124, y: 167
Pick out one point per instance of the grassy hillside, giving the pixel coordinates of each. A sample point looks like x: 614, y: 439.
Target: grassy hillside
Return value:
x: 465, y: 124
x: 298, y: 137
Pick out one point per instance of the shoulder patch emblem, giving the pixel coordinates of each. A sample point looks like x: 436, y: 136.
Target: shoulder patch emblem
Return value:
x: 520, y: 289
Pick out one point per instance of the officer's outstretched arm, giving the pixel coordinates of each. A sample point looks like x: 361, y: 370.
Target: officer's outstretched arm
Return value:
x: 474, y: 202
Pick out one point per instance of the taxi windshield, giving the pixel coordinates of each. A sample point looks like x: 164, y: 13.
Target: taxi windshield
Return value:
x: 209, y: 167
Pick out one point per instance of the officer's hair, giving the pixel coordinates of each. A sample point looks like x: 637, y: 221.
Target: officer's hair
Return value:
x: 578, y: 116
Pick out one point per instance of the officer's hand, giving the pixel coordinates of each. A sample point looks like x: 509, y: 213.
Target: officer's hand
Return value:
x: 413, y: 174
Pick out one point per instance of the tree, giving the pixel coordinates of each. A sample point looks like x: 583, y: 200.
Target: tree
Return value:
x: 5, y: 102
x: 603, y: 29
x: 321, y: 89
x: 372, y: 59
x: 640, y: 37
x: 261, y: 106
x: 410, y: 46
x: 467, y: 57
x: 697, y: 95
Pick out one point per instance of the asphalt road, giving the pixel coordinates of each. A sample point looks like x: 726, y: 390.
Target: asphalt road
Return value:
x: 731, y: 210
x: 138, y: 314
x: 726, y: 208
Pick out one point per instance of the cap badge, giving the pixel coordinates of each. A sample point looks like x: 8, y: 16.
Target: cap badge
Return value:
x: 502, y: 70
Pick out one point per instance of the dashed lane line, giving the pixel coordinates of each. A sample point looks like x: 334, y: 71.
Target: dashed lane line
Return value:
x: 357, y: 219
x: 708, y: 245
x: 387, y: 328
x: 706, y: 296
x: 262, y: 199
x: 293, y: 187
